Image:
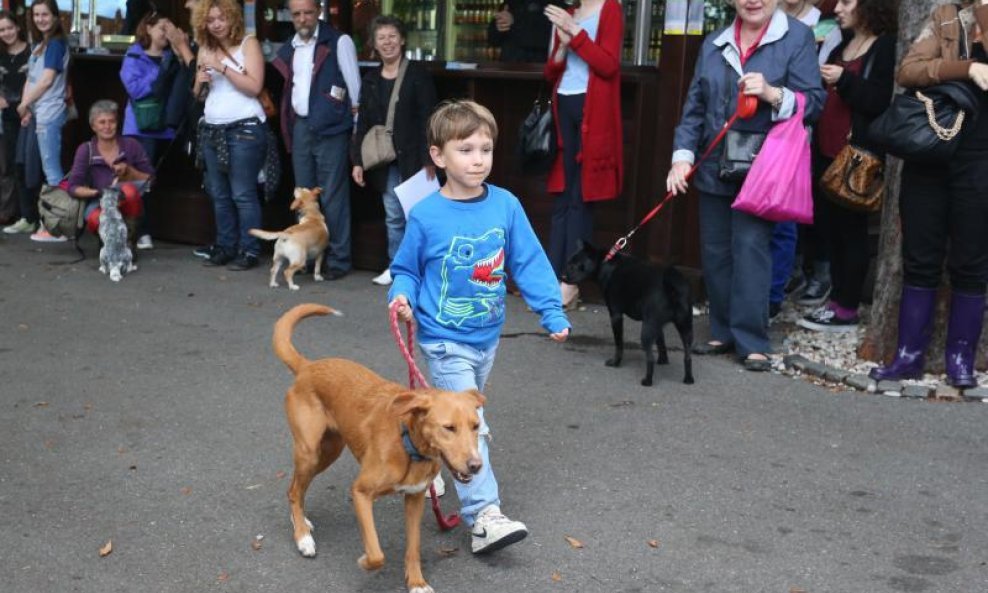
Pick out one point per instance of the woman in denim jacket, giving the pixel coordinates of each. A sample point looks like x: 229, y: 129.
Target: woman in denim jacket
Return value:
x: 771, y: 57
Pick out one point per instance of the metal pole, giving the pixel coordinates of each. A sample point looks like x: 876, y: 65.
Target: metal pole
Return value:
x: 643, y: 30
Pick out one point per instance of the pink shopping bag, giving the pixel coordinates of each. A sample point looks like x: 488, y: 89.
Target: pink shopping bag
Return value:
x: 779, y: 185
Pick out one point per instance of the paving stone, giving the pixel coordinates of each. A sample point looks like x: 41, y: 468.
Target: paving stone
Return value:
x: 947, y: 393
x: 795, y: 361
x: 834, y: 375
x: 862, y: 382
x: 976, y: 393
x: 884, y: 386
x: 918, y: 391
x: 814, y: 368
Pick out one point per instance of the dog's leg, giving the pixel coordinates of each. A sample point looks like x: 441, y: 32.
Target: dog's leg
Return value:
x: 649, y: 338
x: 314, y: 450
x: 317, y: 274
x: 617, y: 326
x: 273, y: 282
x: 660, y: 342
x: 363, y: 506
x: 290, y: 270
x: 685, y: 329
x: 414, y: 505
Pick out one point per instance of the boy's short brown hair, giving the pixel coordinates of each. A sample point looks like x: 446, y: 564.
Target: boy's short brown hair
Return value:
x: 459, y: 119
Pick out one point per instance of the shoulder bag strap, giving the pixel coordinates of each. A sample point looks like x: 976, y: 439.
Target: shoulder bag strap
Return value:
x: 389, y: 124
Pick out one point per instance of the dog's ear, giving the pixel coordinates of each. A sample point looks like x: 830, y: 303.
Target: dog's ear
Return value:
x: 477, y: 395
x: 410, y: 402
x: 316, y: 191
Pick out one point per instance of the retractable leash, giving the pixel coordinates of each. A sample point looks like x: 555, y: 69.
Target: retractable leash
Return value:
x: 415, y: 376
x: 747, y: 105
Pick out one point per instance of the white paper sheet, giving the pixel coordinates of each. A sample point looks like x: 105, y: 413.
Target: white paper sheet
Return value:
x: 412, y: 190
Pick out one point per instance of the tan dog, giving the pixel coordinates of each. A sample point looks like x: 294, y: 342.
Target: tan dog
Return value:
x: 398, y: 435
x: 296, y: 244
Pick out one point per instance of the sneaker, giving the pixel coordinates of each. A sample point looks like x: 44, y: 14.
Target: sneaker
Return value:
x: 205, y: 252
x: 43, y: 236
x: 383, y: 279
x: 220, y: 257
x: 825, y: 319
x: 493, y: 531
x: 144, y: 242
x: 440, y: 486
x: 244, y: 261
x: 21, y: 226
x: 796, y: 283
x: 816, y: 294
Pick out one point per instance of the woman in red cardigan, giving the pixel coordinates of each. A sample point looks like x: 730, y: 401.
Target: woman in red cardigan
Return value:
x: 584, y: 68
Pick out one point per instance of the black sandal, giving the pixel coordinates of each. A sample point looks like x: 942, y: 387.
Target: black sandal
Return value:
x: 758, y: 365
x: 711, y: 348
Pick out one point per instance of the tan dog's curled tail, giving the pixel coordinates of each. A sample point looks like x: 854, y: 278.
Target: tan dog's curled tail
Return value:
x: 268, y: 235
x: 282, y: 339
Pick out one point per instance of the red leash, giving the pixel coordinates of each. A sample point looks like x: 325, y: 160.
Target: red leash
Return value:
x: 747, y: 105
x: 415, y: 376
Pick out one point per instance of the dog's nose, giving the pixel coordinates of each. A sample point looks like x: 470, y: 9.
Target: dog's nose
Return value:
x: 474, y: 465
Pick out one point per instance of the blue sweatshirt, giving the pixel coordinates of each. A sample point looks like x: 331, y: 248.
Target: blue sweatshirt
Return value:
x: 451, y: 267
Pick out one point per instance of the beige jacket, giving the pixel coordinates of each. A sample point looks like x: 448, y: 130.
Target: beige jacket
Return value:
x: 934, y: 56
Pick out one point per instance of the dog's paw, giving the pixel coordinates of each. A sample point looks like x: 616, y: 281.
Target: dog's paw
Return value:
x: 307, y: 546
x: 688, y: 380
x: 613, y: 362
x: 367, y: 564
x: 318, y: 278
x: 662, y: 360
x: 293, y: 286
x: 273, y: 285
x: 646, y: 382
x: 421, y: 589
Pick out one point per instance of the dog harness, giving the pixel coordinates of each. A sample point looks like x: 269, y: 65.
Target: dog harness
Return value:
x: 406, y: 440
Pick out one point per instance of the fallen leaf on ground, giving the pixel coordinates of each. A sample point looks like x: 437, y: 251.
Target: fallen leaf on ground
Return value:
x: 622, y: 404
x: 654, y: 543
x: 280, y: 475
x: 22, y: 327
x: 41, y: 404
x: 797, y: 590
x: 253, y: 486
x: 556, y: 577
x: 224, y: 577
x: 49, y: 443
x: 105, y: 550
x: 446, y: 551
x: 574, y: 542
x: 186, y: 491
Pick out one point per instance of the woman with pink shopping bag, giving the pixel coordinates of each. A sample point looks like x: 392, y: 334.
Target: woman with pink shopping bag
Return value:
x: 772, y: 57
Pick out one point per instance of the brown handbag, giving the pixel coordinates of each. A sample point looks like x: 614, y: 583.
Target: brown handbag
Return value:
x: 855, y: 180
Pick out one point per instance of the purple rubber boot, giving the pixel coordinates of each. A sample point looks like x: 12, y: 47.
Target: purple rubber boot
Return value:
x: 967, y: 313
x: 915, y: 315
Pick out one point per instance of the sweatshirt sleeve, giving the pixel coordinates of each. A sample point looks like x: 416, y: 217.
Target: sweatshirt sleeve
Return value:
x: 532, y: 272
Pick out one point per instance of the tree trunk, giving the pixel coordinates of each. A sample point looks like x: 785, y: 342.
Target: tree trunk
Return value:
x: 881, y: 337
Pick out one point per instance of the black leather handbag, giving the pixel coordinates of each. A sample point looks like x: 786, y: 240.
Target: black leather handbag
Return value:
x: 926, y: 124
x: 740, y: 150
x: 537, y: 138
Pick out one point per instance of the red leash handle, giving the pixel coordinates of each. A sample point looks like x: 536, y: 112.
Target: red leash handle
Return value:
x: 414, y: 374
x: 747, y: 106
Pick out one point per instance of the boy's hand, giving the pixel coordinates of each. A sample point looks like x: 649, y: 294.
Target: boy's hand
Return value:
x: 404, y: 311
x: 560, y: 336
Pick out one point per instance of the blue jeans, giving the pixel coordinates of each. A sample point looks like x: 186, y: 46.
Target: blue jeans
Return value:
x: 234, y: 192
x: 783, y: 246
x: 457, y: 367
x: 324, y: 161
x: 394, y: 215
x: 737, y: 269
x: 50, y: 148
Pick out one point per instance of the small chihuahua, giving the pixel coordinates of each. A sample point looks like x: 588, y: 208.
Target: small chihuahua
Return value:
x: 301, y: 241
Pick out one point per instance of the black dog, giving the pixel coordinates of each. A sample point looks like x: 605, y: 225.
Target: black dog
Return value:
x: 648, y: 293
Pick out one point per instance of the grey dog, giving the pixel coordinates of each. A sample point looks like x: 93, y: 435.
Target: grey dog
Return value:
x: 115, y: 257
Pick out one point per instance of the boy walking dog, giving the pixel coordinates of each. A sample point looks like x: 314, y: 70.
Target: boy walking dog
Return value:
x: 450, y: 273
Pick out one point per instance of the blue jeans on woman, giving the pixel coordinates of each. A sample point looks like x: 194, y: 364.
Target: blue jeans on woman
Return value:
x: 394, y: 215
x: 458, y: 367
x: 234, y: 192
x: 50, y: 147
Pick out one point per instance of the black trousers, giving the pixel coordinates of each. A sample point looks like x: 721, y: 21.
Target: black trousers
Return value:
x: 572, y: 218
x: 844, y: 235
x: 944, y: 212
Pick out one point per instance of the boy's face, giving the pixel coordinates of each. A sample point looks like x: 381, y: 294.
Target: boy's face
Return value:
x: 467, y: 163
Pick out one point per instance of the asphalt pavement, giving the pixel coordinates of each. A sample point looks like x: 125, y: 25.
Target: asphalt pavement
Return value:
x: 149, y: 414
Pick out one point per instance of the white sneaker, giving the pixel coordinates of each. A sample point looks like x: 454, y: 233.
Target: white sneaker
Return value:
x: 440, y: 486
x: 493, y: 531
x: 144, y: 242
x: 383, y: 279
x: 21, y: 226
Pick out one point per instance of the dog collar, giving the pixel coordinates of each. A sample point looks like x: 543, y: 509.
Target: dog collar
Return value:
x: 406, y: 440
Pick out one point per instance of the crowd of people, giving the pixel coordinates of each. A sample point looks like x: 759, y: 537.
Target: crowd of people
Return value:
x: 843, y: 69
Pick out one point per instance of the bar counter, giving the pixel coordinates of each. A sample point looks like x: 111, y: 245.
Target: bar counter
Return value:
x: 181, y: 212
